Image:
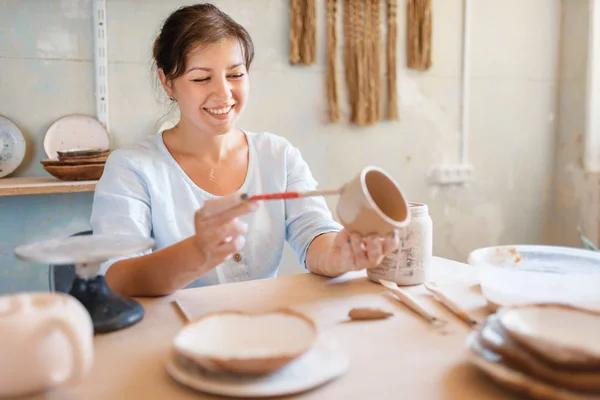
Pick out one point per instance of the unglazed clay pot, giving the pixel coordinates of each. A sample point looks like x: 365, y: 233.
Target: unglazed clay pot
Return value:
x: 46, y: 340
x: 372, y: 203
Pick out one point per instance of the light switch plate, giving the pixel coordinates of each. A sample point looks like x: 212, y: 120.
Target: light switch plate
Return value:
x: 450, y: 174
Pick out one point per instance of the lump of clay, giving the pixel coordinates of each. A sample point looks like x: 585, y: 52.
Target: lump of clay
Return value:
x: 365, y: 313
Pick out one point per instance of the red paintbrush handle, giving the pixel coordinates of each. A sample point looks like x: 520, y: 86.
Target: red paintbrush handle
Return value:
x: 275, y: 196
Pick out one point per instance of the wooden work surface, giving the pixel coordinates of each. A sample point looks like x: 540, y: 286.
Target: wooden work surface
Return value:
x: 398, y: 358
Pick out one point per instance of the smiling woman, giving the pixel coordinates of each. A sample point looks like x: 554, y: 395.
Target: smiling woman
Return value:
x: 184, y: 186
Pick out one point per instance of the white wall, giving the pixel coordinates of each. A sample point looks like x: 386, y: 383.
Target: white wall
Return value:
x: 46, y: 72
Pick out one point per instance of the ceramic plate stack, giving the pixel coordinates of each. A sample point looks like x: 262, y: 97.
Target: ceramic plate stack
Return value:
x: 77, y: 147
x: 546, y: 351
x: 254, y: 355
x: 77, y: 165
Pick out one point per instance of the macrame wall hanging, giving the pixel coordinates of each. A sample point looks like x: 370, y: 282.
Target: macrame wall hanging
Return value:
x: 418, y: 34
x: 362, y: 54
x: 390, y: 53
x: 303, y: 32
x: 331, y: 79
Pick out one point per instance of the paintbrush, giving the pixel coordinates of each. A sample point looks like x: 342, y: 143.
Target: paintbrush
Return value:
x: 292, y: 195
x: 281, y: 196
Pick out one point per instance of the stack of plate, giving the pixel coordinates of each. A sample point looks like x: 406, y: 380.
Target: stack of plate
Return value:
x: 77, y: 147
x: 77, y: 165
x: 546, y: 351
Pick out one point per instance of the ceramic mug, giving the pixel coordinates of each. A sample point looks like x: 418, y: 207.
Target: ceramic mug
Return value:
x: 372, y: 203
x: 46, y: 340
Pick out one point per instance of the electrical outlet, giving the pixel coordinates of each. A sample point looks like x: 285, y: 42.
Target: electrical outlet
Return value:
x: 451, y: 174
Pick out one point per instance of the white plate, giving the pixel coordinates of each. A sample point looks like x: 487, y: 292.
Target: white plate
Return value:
x: 517, y: 380
x: 323, y: 363
x: 525, y: 274
x: 12, y: 147
x: 75, y: 132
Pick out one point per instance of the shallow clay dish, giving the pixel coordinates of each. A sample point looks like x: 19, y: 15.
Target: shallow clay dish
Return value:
x: 244, y: 343
x: 80, y: 172
x: 562, y: 335
x: 495, y: 338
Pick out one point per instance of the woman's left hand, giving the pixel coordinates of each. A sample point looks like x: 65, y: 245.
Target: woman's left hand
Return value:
x: 353, y: 252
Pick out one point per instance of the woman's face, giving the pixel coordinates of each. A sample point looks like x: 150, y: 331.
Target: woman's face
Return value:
x: 213, y: 90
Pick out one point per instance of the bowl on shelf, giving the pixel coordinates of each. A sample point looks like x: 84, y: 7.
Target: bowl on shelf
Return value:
x: 77, y: 164
x: 76, y: 172
x: 87, y: 155
x: 81, y: 153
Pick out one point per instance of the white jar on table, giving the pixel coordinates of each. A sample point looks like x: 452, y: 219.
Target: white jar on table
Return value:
x: 411, y: 262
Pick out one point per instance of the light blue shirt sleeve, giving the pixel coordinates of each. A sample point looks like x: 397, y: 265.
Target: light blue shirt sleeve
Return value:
x: 121, y: 202
x: 305, y: 218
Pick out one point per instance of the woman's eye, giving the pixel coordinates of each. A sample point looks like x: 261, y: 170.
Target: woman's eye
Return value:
x: 200, y: 79
x: 237, y: 75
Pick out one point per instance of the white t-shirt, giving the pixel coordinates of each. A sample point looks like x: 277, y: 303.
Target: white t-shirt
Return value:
x: 144, y: 191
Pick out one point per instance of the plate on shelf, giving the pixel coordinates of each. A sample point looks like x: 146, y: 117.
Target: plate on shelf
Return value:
x: 325, y: 362
x: 75, y: 132
x: 12, y: 147
x: 525, y: 274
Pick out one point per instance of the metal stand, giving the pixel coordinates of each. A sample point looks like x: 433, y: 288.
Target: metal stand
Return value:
x: 108, y: 310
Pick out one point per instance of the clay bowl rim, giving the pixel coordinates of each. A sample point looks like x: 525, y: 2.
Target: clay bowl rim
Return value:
x: 74, y: 166
x: 224, y: 362
x: 62, y: 163
x: 92, y: 151
x: 373, y: 204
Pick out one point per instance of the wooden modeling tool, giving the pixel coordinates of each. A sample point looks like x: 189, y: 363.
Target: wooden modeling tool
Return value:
x: 451, y: 305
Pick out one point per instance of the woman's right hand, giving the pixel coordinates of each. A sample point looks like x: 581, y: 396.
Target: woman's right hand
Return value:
x: 219, y: 232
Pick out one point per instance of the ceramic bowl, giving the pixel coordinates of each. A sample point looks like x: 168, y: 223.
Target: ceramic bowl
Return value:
x: 562, y: 335
x: 78, y: 172
x: 526, y: 274
x: 244, y: 343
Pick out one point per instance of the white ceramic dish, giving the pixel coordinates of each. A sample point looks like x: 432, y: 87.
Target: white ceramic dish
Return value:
x: 560, y: 334
x: 75, y: 132
x: 325, y: 362
x: 12, y: 147
x: 84, y: 249
x: 269, y: 341
x: 525, y: 274
x: 515, y: 380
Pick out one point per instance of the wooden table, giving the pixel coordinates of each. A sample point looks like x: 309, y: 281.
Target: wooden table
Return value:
x: 398, y: 358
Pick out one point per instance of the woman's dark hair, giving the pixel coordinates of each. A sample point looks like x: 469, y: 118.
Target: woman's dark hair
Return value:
x: 190, y: 26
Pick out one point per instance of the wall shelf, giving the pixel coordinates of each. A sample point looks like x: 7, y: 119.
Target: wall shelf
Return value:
x: 42, y: 185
